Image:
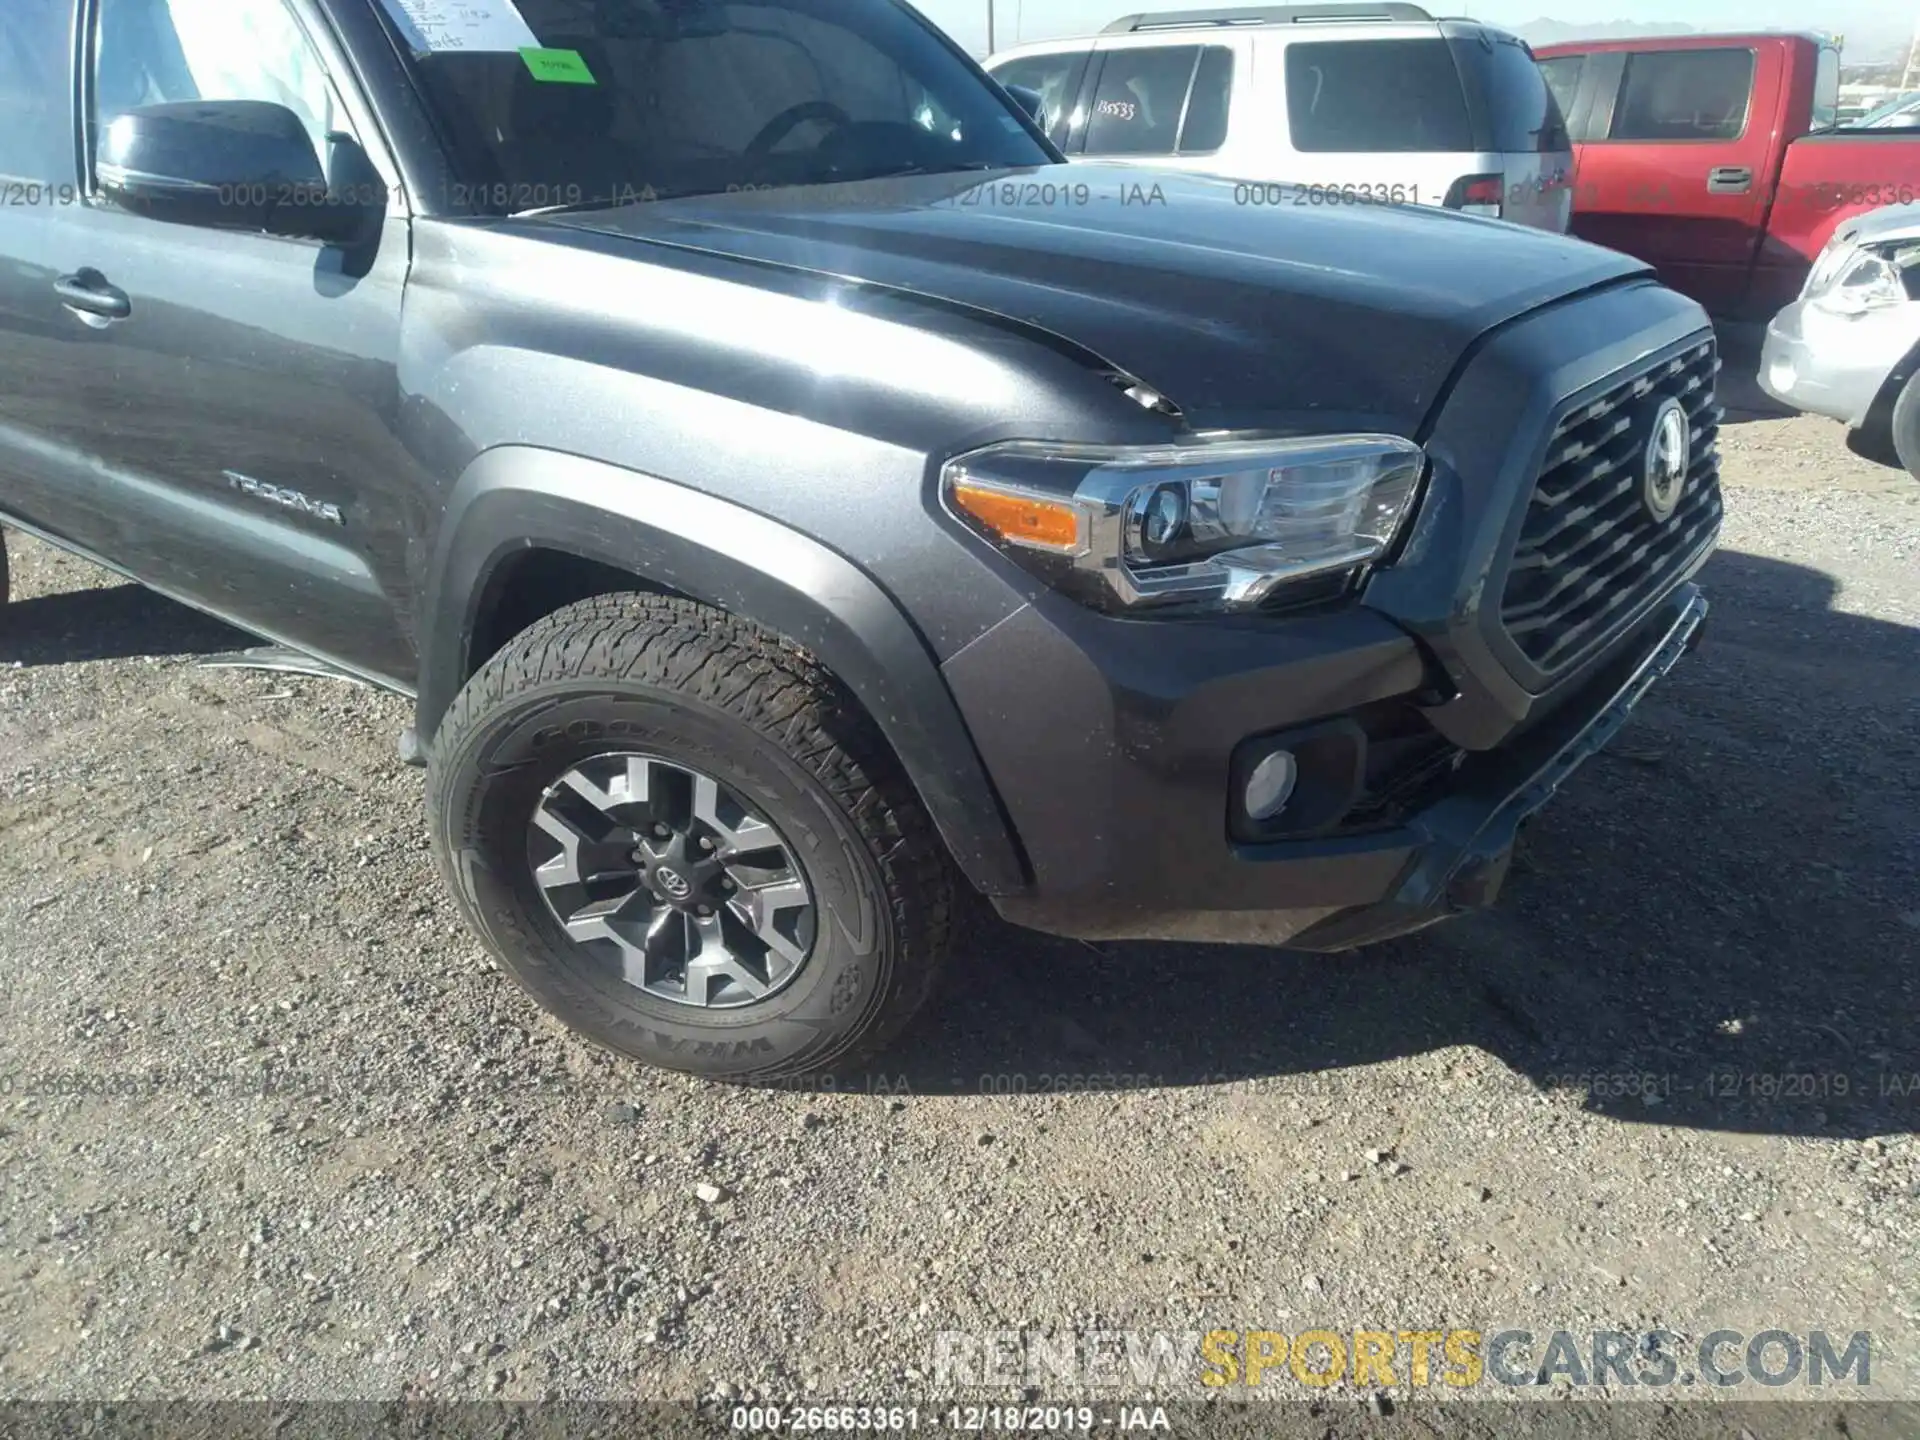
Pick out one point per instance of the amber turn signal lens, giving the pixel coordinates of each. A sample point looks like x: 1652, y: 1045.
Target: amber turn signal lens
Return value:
x: 1021, y: 519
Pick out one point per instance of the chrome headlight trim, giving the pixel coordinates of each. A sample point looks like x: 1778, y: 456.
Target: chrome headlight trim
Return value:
x: 1863, y: 278
x: 1260, y: 512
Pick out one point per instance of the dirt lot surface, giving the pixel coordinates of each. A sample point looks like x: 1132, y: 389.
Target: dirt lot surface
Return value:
x: 321, y: 1147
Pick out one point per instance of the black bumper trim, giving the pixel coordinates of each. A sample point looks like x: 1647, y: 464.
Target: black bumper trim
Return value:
x: 1470, y: 834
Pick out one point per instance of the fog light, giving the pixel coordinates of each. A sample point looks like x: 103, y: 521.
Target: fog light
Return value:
x: 1781, y: 373
x: 1270, y: 785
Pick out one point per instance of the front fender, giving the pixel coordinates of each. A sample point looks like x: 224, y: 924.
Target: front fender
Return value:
x: 514, y: 497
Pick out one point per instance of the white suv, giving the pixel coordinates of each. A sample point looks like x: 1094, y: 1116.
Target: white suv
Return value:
x: 1356, y: 102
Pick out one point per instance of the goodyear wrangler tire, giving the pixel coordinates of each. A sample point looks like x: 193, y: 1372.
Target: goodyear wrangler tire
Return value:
x: 687, y: 841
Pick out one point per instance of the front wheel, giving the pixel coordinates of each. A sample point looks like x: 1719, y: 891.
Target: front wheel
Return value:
x: 686, y: 840
x: 1906, y: 425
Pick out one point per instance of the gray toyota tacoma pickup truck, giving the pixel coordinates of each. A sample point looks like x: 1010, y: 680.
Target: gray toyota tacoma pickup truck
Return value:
x: 795, y: 499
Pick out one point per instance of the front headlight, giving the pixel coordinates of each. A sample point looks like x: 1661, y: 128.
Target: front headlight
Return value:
x: 1222, y: 522
x: 1836, y: 254
x: 1853, y: 280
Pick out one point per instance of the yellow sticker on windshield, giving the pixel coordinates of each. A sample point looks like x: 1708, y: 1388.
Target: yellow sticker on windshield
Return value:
x: 561, y: 67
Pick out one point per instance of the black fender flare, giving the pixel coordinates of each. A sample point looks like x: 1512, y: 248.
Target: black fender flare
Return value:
x: 514, y: 497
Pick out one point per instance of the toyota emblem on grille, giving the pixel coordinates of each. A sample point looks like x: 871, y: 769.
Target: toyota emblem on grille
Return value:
x: 1669, y: 454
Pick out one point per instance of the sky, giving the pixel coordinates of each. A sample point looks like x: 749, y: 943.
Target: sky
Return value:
x: 966, y: 20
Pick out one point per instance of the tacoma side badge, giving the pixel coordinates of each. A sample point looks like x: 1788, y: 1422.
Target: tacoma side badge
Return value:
x: 288, y: 499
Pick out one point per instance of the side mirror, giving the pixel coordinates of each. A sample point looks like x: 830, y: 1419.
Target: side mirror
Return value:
x: 1031, y: 101
x: 238, y: 165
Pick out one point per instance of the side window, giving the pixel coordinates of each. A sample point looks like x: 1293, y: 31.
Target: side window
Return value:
x: 1054, y: 76
x: 1684, y: 95
x: 1376, y: 97
x: 1206, y: 127
x: 1826, y: 91
x: 1142, y: 95
x: 151, y: 52
x: 36, y: 125
x: 1562, y: 74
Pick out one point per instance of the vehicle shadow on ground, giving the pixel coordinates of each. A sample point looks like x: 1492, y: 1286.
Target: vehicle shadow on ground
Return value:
x: 115, y: 623
x: 1721, y: 911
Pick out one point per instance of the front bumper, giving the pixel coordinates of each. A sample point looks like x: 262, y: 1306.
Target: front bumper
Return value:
x: 1469, y: 836
x: 1835, y: 365
x: 1120, y: 748
x: 1344, y: 891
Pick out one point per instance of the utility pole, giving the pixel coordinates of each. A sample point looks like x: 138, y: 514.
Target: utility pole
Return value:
x: 990, y: 46
x: 1910, y: 77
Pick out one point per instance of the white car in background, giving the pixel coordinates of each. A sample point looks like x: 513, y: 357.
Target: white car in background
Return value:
x: 1900, y: 113
x: 1351, y: 103
x: 1849, y: 347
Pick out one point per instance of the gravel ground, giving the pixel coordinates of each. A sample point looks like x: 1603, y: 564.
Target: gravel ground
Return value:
x: 328, y: 1150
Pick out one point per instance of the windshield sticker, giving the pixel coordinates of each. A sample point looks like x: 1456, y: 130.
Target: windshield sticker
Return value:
x: 482, y: 26
x: 558, y: 67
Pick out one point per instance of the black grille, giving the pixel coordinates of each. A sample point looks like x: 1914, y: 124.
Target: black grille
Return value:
x: 1591, y: 556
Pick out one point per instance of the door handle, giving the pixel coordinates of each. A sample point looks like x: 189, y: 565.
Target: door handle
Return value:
x: 87, y: 291
x: 1729, y: 180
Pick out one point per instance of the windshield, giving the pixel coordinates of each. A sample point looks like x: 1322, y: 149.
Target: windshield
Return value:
x: 549, y: 103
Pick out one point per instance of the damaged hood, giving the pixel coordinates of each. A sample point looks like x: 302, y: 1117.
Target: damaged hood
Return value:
x: 1888, y: 225
x: 1289, y: 312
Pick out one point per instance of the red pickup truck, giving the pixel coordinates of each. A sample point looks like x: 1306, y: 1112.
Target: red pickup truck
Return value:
x: 1718, y: 160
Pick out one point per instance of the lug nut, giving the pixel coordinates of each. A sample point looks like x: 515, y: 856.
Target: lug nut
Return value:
x: 706, y: 910
x: 705, y: 843
x: 726, y: 884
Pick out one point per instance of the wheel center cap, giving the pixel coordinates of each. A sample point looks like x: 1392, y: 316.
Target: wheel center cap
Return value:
x: 672, y: 883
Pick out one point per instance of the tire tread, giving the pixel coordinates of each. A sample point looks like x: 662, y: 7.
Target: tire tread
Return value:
x: 782, y: 692
x: 1904, y: 426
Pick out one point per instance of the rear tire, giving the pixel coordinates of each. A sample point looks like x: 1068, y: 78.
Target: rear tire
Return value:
x: 744, y: 758
x: 1905, y: 426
